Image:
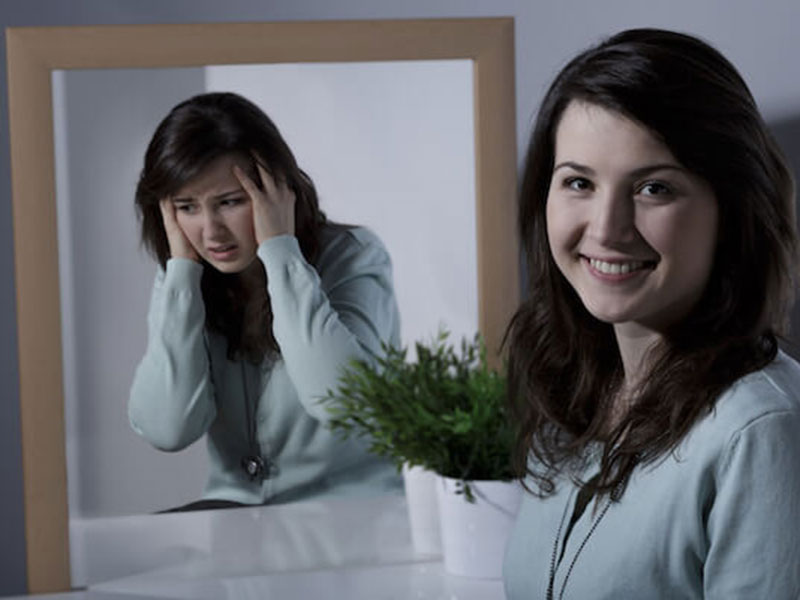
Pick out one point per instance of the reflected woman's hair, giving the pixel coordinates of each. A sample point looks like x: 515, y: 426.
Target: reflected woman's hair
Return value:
x: 194, y: 134
x: 689, y: 96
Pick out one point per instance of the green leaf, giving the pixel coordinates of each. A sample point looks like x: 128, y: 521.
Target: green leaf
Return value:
x: 445, y: 411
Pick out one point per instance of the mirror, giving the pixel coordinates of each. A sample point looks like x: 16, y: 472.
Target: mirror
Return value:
x: 35, y: 53
x: 388, y: 144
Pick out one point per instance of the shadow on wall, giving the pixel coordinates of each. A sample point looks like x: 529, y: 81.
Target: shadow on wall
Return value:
x: 787, y: 133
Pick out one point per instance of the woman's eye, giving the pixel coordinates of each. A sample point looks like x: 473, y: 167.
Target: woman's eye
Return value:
x: 655, y: 188
x: 578, y: 184
x: 185, y: 208
x: 231, y: 201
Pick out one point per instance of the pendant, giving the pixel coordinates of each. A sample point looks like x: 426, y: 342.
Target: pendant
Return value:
x: 254, y: 467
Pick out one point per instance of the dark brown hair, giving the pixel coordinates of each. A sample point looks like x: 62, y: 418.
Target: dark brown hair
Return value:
x: 195, y: 133
x: 564, y: 365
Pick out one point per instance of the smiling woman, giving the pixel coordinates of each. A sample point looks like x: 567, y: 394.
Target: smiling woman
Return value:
x: 656, y: 212
x: 631, y: 229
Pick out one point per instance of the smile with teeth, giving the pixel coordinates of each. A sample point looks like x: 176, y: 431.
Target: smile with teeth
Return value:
x: 617, y: 268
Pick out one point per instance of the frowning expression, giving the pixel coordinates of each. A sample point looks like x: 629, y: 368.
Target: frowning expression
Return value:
x: 630, y: 228
x: 215, y: 214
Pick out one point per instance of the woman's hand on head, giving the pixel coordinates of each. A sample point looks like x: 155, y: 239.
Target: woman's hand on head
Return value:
x: 273, y: 205
x: 179, y: 245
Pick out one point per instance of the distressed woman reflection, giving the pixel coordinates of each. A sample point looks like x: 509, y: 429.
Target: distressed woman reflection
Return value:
x: 258, y: 303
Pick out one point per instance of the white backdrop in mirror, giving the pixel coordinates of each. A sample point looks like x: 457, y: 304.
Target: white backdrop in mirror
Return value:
x: 389, y: 145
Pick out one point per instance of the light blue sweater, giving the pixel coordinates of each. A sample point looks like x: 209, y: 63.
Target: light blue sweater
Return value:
x: 717, y: 519
x: 186, y: 387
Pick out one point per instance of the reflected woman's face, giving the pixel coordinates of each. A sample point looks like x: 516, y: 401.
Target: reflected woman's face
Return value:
x: 215, y: 214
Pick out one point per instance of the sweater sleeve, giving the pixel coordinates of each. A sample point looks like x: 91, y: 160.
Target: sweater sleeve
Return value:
x: 753, y: 526
x: 323, y: 320
x: 172, y: 398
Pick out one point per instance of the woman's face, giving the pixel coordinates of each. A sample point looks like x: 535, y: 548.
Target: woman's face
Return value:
x: 215, y: 214
x: 629, y: 227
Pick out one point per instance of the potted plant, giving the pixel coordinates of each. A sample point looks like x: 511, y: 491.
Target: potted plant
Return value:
x: 444, y: 411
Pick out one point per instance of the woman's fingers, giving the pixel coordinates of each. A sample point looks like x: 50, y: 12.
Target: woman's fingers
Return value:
x: 167, y: 212
x: 179, y: 246
x: 247, y: 184
x: 267, y: 181
x: 273, y: 206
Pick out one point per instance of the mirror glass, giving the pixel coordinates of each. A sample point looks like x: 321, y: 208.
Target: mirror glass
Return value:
x: 389, y: 145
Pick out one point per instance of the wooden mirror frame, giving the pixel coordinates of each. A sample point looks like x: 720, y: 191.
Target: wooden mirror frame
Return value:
x: 34, y: 52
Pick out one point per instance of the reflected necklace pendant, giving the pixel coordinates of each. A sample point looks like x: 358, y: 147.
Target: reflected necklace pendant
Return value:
x: 254, y: 466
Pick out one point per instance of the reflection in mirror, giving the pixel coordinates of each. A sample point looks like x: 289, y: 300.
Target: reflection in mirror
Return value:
x: 389, y: 145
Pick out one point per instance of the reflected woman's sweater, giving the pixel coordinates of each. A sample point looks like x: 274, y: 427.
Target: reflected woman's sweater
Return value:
x: 185, y: 386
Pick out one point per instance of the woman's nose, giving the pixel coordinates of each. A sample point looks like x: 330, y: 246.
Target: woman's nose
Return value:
x: 612, y: 217
x: 212, y: 222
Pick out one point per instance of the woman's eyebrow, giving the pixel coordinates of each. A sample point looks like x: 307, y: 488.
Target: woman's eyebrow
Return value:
x: 647, y: 169
x: 221, y: 195
x: 638, y: 172
x: 574, y: 166
x: 234, y: 192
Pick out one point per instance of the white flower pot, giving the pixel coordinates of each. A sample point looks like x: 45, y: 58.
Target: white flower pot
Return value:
x: 423, y: 509
x: 474, y: 535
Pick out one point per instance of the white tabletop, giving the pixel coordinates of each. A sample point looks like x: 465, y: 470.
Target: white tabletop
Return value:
x: 348, y: 548
x: 414, y: 581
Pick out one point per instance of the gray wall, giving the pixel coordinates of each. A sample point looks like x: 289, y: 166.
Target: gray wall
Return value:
x: 759, y: 37
x: 787, y: 133
x: 106, y: 279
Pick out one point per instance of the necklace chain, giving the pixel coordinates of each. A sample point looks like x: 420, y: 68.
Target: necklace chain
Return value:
x: 254, y: 465
x: 552, y: 578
